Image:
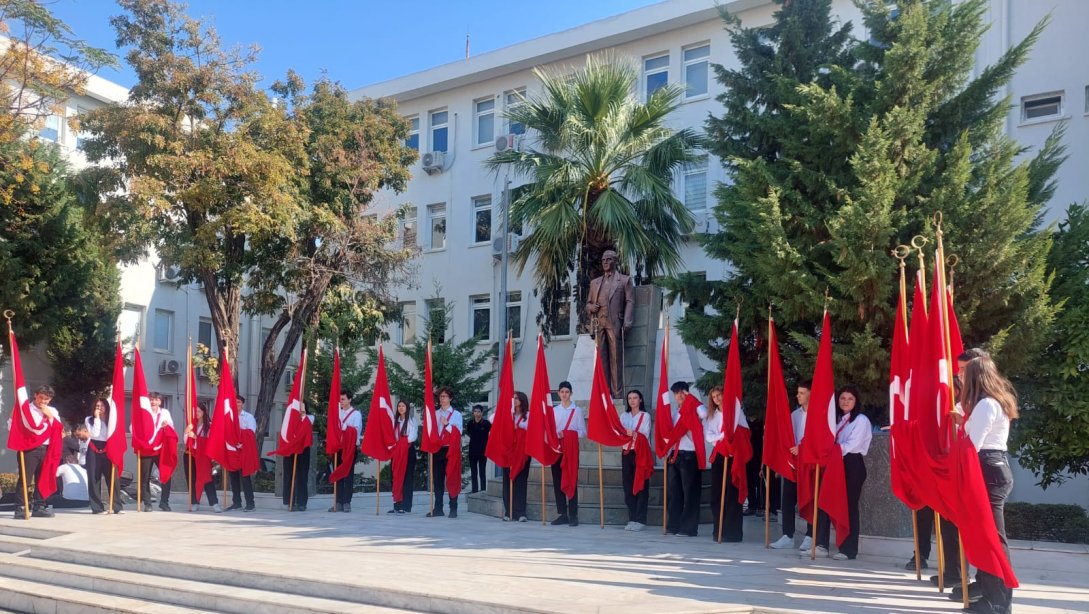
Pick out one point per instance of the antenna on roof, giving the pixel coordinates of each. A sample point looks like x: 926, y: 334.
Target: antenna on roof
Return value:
x: 466, y: 45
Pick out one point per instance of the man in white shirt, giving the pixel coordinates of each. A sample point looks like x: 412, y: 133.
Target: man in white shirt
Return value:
x: 72, y: 485
x: 31, y: 461
x: 149, y: 459
x: 350, y: 418
x: 686, y: 469
x: 243, y: 484
x: 449, y: 419
x: 790, y: 488
x: 569, y: 421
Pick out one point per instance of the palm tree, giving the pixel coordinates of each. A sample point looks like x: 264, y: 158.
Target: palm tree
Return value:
x: 599, y: 170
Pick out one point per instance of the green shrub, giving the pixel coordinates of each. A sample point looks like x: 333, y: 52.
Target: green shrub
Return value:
x: 1047, y: 522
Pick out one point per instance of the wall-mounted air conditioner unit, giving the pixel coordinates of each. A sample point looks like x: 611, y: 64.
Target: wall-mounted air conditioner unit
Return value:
x: 433, y: 162
x: 169, y: 367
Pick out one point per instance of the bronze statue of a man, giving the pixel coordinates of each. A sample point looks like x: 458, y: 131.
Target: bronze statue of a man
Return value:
x: 610, y: 305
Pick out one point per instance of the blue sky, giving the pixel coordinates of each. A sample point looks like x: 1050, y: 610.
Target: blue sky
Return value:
x: 357, y: 42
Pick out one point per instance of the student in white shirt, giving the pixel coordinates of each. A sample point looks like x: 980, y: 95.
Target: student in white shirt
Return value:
x: 685, y: 470
x: 150, y: 458
x: 72, y: 491
x: 993, y: 404
x: 243, y: 484
x: 449, y: 418
x: 405, y: 426
x: 30, y: 462
x: 733, y: 514
x: 853, y: 434
x: 569, y: 417
x: 99, y: 466
x: 349, y: 418
x: 636, y: 422
x: 790, y: 488
x: 520, y: 415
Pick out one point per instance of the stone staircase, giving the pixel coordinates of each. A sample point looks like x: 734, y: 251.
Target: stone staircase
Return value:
x: 489, y: 502
x: 42, y: 578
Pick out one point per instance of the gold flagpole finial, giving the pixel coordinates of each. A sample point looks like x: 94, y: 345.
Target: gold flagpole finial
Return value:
x: 8, y: 315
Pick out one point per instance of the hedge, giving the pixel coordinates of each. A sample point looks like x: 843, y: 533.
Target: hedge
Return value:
x: 1047, y: 522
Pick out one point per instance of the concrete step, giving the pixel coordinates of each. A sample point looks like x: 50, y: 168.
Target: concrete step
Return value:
x: 588, y: 491
x: 173, y: 591
x: 589, y: 511
x: 12, y: 544
x: 42, y: 598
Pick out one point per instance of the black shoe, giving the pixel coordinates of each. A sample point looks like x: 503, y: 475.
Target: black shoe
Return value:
x: 403, y: 511
x: 910, y: 566
x: 98, y: 511
x: 573, y: 522
x: 473, y: 491
x: 559, y: 520
x: 453, y: 513
x: 164, y: 506
x: 950, y: 580
x: 249, y: 508
x: 346, y: 507
x: 300, y: 508
x: 975, y: 592
x: 147, y: 507
x: 234, y: 506
x: 983, y: 606
x: 335, y: 508
x: 435, y: 514
x: 393, y: 511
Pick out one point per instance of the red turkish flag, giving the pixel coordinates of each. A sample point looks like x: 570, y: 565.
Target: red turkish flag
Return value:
x: 663, y: 405
x: 197, y: 445
x: 689, y: 423
x: 334, y: 437
x: 604, y: 425
x: 378, y: 436
x: 30, y: 427
x: 502, y: 440
x: 225, y: 434
x: 778, y: 429
x: 452, y: 438
x: 294, y: 436
x: 116, y: 441
x: 819, y: 448
x: 430, y: 437
x: 736, y: 436
x: 542, y: 441
x: 901, y: 471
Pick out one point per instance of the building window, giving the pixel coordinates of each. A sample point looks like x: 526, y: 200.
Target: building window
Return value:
x: 436, y: 319
x: 514, y: 313
x: 82, y: 135
x: 205, y: 331
x: 51, y: 129
x: 484, y: 121
x: 439, y: 130
x: 130, y: 324
x: 407, y: 331
x: 408, y: 226
x: 413, y: 139
x: 655, y: 74
x: 695, y: 71
x: 164, y: 330
x: 514, y: 99
x: 561, y: 318
x: 1041, y: 106
x: 482, y: 219
x: 695, y: 184
x: 436, y: 215
x: 481, y: 307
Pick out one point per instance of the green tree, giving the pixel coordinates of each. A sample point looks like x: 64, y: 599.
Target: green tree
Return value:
x: 54, y: 273
x: 840, y: 149
x: 1052, y: 437
x: 599, y: 170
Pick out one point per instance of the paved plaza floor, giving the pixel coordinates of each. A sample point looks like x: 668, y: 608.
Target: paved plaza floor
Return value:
x: 479, y: 564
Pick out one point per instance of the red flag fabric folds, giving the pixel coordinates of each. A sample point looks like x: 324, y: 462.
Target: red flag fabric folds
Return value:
x: 334, y: 437
x: 378, y: 436
x: 225, y: 434
x: 400, y: 460
x: 430, y: 437
x: 116, y: 442
x: 644, y: 463
x: 296, y: 432
x: 736, y: 436
x: 502, y: 438
x: 452, y: 439
x: 29, y: 427
x: 604, y: 425
x: 663, y: 405
x: 347, y: 454
x: 778, y: 429
x: 542, y: 440
x: 569, y: 468
x: 689, y: 423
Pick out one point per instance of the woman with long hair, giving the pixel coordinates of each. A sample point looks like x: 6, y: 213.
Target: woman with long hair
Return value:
x: 197, y: 464
x: 637, y: 462
x: 733, y: 515
x: 853, y: 435
x: 406, y: 428
x: 99, y: 466
x: 520, y: 411
x: 991, y: 403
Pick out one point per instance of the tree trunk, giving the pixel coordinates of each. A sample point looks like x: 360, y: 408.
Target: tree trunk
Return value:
x: 225, y: 306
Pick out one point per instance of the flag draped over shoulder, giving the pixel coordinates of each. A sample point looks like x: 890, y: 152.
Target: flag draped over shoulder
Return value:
x: 116, y: 441
x: 339, y: 442
x: 502, y: 440
x: 225, y: 434
x: 31, y: 428
x: 452, y: 438
x: 197, y: 445
x: 663, y: 405
x: 778, y: 429
x: 542, y: 441
x: 296, y: 432
x: 143, y: 423
x: 603, y: 425
x: 430, y: 437
x: 378, y: 438
x: 736, y: 436
x: 819, y: 448
x: 689, y: 423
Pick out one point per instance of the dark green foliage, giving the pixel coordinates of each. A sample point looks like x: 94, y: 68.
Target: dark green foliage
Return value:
x: 1047, y: 522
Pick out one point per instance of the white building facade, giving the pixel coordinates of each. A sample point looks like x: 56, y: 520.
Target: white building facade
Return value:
x: 457, y: 111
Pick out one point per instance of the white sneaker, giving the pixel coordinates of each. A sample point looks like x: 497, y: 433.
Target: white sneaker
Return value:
x: 839, y: 556
x: 196, y: 508
x: 628, y: 526
x: 638, y: 526
x: 523, y: 519
x: 217, y: 508
x: 822, y: 552
x: 807, y: 544
x: 783, y: 543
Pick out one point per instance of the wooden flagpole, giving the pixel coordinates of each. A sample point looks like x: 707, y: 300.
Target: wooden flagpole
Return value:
x: 600, y: 488
x: 189, y: 415
x: 295, y: 457
x: 139, y: 483
x: 665, y: 460
x: 8, y: 314
x: 901, y: 253
x: 767, y: 505
x: 722, y: 494
x: 915, y: 537
x: 113, y: 480
x: 816, y: 499
x: 336, y: 463
x: 378, y: 489
x: 431, y: 480
x: 510, y: 510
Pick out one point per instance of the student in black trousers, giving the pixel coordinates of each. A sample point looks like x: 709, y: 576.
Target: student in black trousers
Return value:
x: 685, y: 474
x: 407, y: 428
x: 478, y: 429
x: 732, y: 516
x: 853, y: 434
x: 636, y: 422
x: 99, y: 466
x: 521, y: 479
x: 993, y: 404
